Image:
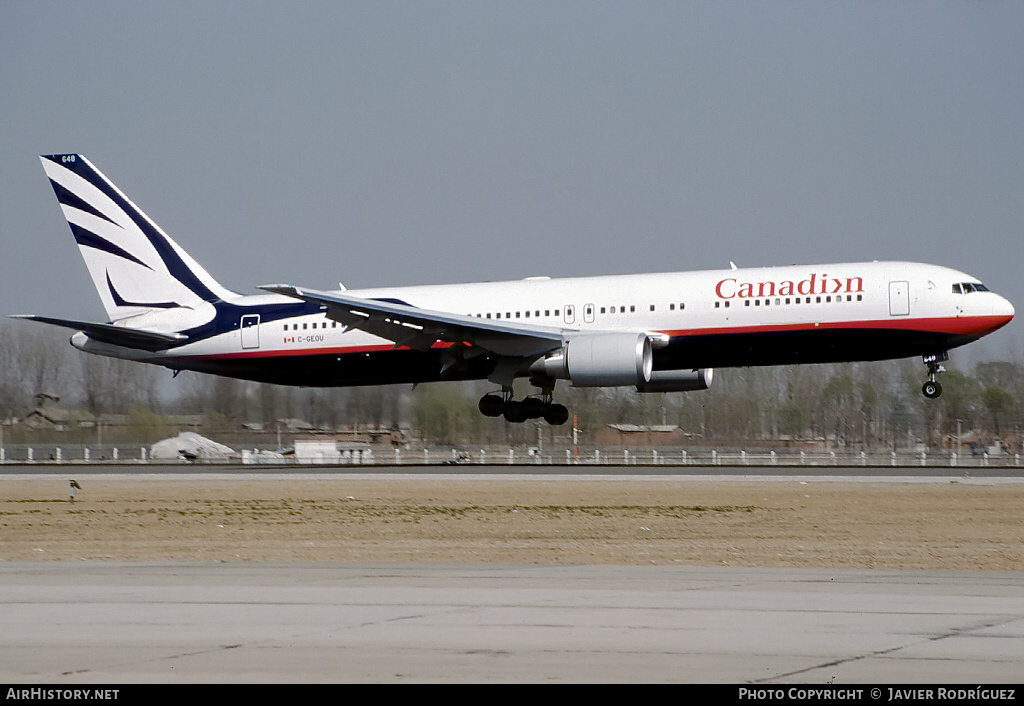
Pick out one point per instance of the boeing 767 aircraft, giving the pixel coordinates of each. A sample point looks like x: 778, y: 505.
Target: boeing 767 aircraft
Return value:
x: 657, y: 332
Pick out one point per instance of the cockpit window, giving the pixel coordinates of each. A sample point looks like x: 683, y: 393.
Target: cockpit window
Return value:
x: 957, y: 290
x: 968, y: 287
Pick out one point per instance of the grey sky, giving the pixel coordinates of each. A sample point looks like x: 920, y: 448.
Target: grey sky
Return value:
x: 380, y: 143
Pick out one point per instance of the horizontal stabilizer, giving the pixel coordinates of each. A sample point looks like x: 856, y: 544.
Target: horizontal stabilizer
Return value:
x: 114, y: 335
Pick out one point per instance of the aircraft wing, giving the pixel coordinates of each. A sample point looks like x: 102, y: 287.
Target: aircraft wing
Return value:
x: 115, y: 335
x: 421, y: 328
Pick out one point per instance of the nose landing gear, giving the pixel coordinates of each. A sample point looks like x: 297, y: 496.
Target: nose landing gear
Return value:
x: 932, y: 389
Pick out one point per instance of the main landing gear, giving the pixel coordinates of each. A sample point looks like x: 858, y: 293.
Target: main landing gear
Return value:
x: 932, y: 388
x: 518, y: 411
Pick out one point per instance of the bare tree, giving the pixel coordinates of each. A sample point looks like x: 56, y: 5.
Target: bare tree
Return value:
x: 114, y: 385
x: 33, y: 360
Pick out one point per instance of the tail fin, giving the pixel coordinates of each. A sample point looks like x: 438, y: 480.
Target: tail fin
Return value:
x: 135, y: 266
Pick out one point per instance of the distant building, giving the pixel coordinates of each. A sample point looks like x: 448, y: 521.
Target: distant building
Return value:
x: 50, y: 414
x: 326, y: 450
x: 643, y: 435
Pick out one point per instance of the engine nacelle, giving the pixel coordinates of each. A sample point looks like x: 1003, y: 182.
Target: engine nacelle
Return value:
x: 678, y: 380
x: 601, y: 360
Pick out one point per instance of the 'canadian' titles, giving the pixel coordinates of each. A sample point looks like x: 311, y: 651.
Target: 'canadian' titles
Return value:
x: 730, y: 287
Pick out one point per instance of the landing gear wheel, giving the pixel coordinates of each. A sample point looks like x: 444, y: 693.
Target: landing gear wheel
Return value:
x: 534, y: 408
x: 931, y: 389
x: 491, y: 405
x: 515, y: 412
x: 556, y: 415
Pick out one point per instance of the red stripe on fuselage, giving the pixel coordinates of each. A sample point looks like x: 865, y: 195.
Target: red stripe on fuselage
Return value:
x: 953, y: 326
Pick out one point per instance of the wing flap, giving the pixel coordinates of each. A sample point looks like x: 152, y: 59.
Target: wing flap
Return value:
x: 407, y: 325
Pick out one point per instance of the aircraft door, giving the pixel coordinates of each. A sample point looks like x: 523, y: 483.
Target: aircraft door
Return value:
x: 251, y: 331
x: 899, y: 299
x: 570, y: 314
x: 588, y: 313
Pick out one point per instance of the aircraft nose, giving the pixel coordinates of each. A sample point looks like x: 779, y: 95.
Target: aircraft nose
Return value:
x: 1003, y: 309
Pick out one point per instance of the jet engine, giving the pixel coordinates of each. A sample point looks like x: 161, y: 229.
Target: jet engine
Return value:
x: 678, y: 380
x: 600, y: 360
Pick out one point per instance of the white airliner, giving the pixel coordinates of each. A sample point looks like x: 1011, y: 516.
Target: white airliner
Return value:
x: 656, y: 332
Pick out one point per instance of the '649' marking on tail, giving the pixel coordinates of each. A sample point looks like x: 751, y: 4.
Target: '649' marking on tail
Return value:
x: 134, y: 265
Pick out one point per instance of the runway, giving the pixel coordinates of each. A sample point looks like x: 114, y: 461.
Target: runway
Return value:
x: 123, y: 623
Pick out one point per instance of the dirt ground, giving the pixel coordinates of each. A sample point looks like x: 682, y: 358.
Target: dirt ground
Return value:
x: 938, y: 525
